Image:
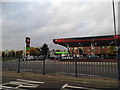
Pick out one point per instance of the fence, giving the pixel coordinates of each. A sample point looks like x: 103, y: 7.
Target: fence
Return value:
x: 108, y: 69
x: 78, y: 67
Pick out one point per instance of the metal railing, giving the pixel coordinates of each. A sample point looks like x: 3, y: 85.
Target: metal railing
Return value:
x: 83, y: 68
x: 77, y: 67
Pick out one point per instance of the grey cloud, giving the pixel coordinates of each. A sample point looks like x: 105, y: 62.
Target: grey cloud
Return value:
x: 45, y: 21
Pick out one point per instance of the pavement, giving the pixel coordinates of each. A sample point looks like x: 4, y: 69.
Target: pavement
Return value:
x: 57, y: 82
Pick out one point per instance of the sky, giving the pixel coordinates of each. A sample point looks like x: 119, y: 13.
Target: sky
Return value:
x: 51, y: 19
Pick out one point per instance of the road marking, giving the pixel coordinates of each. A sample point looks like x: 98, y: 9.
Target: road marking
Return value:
x: 6, y: 85
x: 64, y: 86
x: 76, y: 87
x: 20, y: 83
x: 9, y: 86
x: 28, y: 86
x: 29, y: 81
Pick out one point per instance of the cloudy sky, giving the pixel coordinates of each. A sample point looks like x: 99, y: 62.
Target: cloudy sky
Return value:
x: 46, y: 20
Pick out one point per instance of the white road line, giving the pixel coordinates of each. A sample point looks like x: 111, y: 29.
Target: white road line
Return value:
x: 29, y: 81
x: 75, y: 87
x: 20, y: 83
x: 8, y: 87
x: 28, y: 86
x: 64, y: 85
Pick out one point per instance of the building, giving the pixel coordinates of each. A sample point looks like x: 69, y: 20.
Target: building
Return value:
x: 89, y: 45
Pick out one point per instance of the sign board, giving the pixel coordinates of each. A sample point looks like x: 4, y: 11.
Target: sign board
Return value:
x: 27, y: 41
x: 61, y: 52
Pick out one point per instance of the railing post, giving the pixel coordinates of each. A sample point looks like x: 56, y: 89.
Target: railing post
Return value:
x: 44, y: 65
x: 75, y: 66
x: 19, y: 65
x: 118, y: 64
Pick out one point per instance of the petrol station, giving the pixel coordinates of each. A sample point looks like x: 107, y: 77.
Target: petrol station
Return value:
x: 89, y: 45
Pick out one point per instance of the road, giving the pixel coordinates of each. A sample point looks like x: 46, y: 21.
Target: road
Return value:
x: 50, y: 82
x: 96, y: 69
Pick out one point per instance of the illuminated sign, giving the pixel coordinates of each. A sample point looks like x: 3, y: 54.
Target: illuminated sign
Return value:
x: 61, y: 52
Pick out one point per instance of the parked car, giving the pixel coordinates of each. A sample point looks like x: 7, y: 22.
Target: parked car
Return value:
x: 27, y: 58
x: 35, y: 57
x: 67, y: 57
x: 92, y: 57
x: 41, y: 57
x: 80, y: 56
x: 54, y: 57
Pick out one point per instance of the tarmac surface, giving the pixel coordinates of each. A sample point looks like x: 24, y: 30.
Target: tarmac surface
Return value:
x: 55, y: 82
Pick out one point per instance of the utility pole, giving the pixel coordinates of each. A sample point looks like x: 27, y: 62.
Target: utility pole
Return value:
x: 115, y: 32
x: 114, y: 20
